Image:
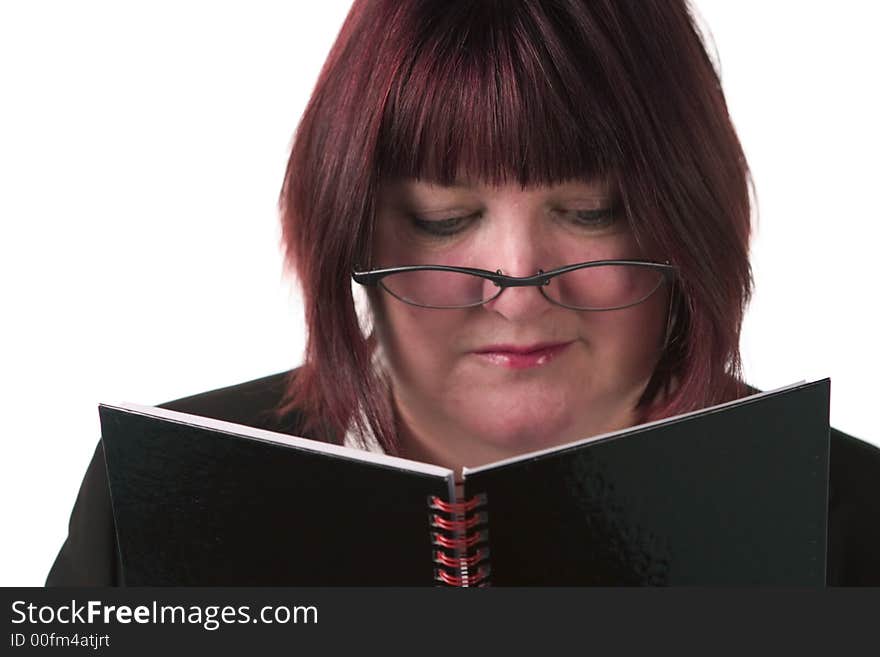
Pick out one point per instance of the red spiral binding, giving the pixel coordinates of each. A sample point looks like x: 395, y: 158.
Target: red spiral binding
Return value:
x: 457, y: 507
x: 460, y: 536
x: 462, y: 543
x: 457, y: 525
x: 473, y: 560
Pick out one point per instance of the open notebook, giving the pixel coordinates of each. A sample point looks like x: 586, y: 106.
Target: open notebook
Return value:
x: 734, y: 494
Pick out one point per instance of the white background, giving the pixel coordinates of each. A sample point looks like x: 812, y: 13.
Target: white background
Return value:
x: 142, y: 147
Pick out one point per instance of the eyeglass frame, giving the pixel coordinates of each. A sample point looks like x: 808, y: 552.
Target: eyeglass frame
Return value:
x: 372, y: 278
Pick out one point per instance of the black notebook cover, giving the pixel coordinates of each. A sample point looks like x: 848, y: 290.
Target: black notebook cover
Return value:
x: 204, y: 506
x: 731, y: 495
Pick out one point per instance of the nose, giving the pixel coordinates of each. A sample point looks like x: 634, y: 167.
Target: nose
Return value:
x: 519, y: 304
x: 520, y: 255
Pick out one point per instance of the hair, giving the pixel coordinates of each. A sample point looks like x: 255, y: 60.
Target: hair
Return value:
x: 536, y: 92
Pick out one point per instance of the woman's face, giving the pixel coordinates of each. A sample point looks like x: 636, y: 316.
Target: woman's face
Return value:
x: 460, y: 380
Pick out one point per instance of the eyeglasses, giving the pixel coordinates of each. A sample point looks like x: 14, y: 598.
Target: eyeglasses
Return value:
x: 597, y: 285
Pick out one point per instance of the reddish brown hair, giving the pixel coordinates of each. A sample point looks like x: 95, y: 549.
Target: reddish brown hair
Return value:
x: 533, y: 92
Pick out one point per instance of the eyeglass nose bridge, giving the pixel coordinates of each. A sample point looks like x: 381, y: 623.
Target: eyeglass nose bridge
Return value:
x: 503, y: 281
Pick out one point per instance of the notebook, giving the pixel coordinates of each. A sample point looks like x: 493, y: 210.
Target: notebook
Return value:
x: 731, y: 495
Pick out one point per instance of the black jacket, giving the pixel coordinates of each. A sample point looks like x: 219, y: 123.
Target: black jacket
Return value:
x: 89, y: 556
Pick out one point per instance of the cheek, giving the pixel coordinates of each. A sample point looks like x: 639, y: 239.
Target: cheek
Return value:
x: 629, y: 340
x: 418, y: 342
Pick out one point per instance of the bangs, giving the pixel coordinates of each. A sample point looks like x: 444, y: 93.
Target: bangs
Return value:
x: 498, y: 96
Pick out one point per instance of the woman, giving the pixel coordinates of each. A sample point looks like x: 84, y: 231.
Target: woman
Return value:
x: 548, y: 209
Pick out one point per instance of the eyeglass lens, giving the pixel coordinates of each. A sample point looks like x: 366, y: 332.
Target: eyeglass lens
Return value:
x: 601, y: 287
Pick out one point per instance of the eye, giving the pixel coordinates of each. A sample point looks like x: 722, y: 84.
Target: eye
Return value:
x: 443, y: 227
x: 592, y: 219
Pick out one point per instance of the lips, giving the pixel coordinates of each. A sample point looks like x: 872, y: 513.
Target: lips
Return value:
x: 521, y: 356
x: 518, y: 349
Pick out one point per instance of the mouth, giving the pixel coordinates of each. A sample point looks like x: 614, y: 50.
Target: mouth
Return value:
x: 521, y: 356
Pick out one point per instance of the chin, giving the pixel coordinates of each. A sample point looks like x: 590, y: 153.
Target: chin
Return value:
x: 519, y: 423
x: 523, y: 431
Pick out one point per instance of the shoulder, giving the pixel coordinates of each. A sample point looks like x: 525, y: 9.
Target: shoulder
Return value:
x: 854, y: 454
x: 253, y: 403
x: 854, y: 512
x: 88, y: 556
